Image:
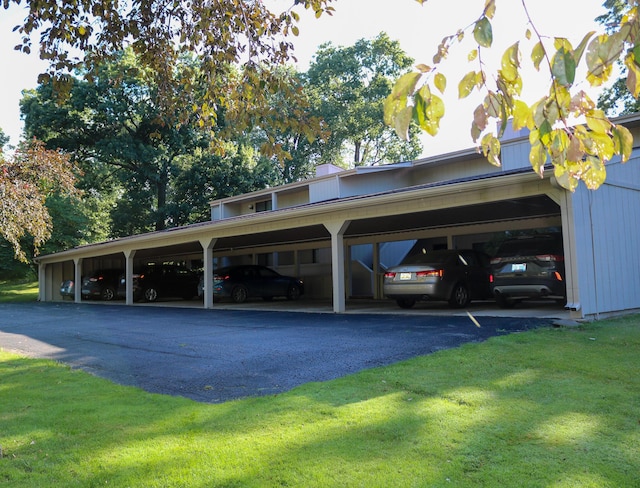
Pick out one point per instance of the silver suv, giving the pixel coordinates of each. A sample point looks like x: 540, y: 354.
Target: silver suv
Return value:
x: 529, y: 267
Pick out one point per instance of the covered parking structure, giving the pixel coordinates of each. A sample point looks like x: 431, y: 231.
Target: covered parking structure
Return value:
x: 310, y: 229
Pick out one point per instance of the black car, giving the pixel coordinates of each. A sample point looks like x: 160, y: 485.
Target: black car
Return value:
x: 529, y: 267
x: 162, y: 280
x: 101, y: 284
x: 244, y: 281
x: 455, y: 276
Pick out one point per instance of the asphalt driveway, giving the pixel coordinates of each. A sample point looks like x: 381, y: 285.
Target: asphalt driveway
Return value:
x: 220, y: 355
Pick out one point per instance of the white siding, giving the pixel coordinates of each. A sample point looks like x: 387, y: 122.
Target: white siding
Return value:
x: 325, y: 189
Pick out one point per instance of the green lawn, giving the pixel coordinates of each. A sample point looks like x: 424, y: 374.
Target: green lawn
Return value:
x: 18, y: 292
x: 547, y: 408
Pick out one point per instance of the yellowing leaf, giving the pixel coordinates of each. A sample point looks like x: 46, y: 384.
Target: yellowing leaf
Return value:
x: 483, y: 33
x: 402, y: 122
x: 521, y: 115
x: 633, y: 74
x: 595, y: 173
x: 538, y: 158
x: 473, y: 54
x: 490, y: 8
x: 598, y: 122
x: 467, y: 84
x: 440, y: 81
x: 623, y: 142
x: 564, y: 178
x: 490, y: 146
x: 537, y: 55
x: 510, y: 63
x: 406, y: 85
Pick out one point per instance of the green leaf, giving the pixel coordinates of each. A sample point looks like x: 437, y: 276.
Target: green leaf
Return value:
x: 467, y: 84
x: 483, y: 33
x: 563, y: 67
x: 406, y: 85
x: 623, y: 142
x: 579, y: 51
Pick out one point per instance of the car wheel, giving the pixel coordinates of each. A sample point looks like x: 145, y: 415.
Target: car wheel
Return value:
x: 239, y: 294
x: 293, y: 293
x: 405, y: 302
x: 108, y: 294
x: 460, y: 296
x: 150, y: 294
x: 505, y: 302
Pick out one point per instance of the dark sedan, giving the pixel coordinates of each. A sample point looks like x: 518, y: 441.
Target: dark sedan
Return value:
x: 455, y: 276
x: 242, y: 282
x: 162, y: 281
x: 101, y: 284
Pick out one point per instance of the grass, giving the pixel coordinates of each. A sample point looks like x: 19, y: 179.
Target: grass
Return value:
x: 11, y: 291
x: 550, y: 407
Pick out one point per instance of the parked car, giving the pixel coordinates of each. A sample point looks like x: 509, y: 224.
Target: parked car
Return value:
x: 162, y: 280
x: 244, y: 281
x: 101, y: 284
x: 529, y: 267
x: 452, y: 275
x: 67, y: 290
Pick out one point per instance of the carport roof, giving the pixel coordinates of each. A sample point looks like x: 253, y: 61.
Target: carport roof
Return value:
x: 305, y: 223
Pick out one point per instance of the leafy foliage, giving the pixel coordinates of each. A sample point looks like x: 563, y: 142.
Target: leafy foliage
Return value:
x: 577, y: 151
x: 239, y: 45
x: 27, y: 178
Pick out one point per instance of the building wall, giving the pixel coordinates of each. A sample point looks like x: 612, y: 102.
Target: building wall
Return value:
x: 607, y: 240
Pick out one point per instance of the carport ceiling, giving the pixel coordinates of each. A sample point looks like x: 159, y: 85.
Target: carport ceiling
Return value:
x: 506, y: 210
x: 522, y: 208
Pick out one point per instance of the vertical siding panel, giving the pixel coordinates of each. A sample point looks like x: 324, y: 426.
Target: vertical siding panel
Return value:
x: 610, y: 273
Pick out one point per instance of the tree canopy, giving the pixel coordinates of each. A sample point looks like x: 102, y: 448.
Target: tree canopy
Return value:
x: 239, y: 46
x: 565, y: 125
x: 348, y: 86
x: 27, y: 178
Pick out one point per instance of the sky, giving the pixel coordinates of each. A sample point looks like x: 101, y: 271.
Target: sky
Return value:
x: 418, y: 28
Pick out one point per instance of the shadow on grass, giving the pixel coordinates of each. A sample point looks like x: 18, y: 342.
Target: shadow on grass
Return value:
x: 542, y: 408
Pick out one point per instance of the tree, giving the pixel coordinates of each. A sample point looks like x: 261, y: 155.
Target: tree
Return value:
x: 348, y: 87
x: 27, y: 177
x: 113, y: 125
x: 239, y: 45
x: 616, y: 99
x: 578, y: 152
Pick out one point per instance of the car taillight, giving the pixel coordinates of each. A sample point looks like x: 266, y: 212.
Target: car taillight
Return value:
x: 549, y: 257
x: 430, y: 273
x: 389, y: 274
x: 558, y: 276
x: 221, y: 277
x: 490, y: 278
